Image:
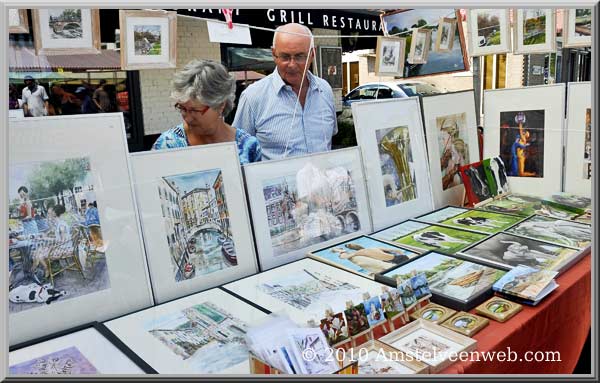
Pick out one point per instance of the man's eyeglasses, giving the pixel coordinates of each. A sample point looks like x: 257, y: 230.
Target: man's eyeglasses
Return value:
x: 182, y: 109
x: 299, y: 58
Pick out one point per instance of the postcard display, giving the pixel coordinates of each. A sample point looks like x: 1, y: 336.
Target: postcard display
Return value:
x: 578, y: 158
x: 99, y: 271
x: 451, y: 127
x: 192, y: 206
x: 390, y: 135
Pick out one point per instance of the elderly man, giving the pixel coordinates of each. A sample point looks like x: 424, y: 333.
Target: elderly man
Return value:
x: 291, y: 112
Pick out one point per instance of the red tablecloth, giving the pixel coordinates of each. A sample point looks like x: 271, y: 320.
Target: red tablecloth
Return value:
x: 560, y: 322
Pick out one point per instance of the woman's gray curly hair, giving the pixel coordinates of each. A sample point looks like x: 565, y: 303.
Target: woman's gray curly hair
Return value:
x: 206, y: 81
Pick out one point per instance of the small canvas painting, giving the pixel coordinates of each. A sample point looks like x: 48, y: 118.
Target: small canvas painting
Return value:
x: 374, y: 311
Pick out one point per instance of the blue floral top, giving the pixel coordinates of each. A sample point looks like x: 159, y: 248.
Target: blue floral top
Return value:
x: 248, y: 147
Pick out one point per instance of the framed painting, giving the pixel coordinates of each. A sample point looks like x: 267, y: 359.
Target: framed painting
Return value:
x: 194, y: 218
x: 420, y: 45
x: 390, y: 135
x: 66, y: 31
x: 556, y: 231
x: 363, y: 255
x: 330, y: 60
x: 578, y: 147
x: 390, y: 56
x: 498, y: 309
x: 516, y: 204
x: 465, y: 323
x: 450, y: 126
x: 73, y: 226
x: 90, y: 349
x: 202, y: 334
x: 577, y: 27
x: 18, y: 21
x: 570, y: 202
x: 481, y: 221
x: 525, y: 128
x: 477, y: 187
x: 148, y: 39
x: 445, y: 30
x: 400, y: 23
x: 534, y: 31
x: 304, y: 290
x: 301, y: 204
x: 454, y: 281
x: 377, y: 358
x: 489, y: 31
x: 497, y: 179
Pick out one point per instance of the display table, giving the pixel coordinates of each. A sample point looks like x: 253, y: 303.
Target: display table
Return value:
x: 561, y: 322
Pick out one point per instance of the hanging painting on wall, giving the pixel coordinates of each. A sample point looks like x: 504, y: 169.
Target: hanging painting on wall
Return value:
x: 66, y: 31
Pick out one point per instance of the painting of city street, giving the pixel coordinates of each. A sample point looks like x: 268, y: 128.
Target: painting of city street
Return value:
x: 146, y: 40
x: 534, y: 26
x: 309, y: 207
x: 69, y: 361
x: 397, y: 167
x: 488, y: 27
x: 197, y: 223
x: 206, y: 336
x: 56, y: 247
x: 65, y: 23
x: 453, y: 147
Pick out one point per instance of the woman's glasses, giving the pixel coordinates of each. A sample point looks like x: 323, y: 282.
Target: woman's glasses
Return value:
x: 183, y: 110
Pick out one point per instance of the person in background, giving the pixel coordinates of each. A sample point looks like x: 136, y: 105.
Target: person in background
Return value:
x: 122, y: 98
x: 69, y: 103
x: 204, y: 93
x: 291, y: 112
x: 35, y: 99
x: 87, y: 105
x: 13, y: 97
x: 101, y: 98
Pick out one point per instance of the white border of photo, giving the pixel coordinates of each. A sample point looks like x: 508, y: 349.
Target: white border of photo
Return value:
x: 550, y: 33
x: 505, y: 35
x: 579, y: 98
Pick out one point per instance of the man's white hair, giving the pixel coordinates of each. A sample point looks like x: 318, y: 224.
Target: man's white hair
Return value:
x: 307, y: 31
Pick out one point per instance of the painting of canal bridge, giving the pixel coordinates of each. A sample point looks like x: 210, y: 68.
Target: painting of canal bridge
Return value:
x: 197, y: 223
x: 309, y: 207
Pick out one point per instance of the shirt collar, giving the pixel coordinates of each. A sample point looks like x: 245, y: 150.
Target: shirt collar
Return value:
x: 279, y: 84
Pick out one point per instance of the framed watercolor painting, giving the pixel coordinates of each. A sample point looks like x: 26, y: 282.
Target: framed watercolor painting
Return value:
x: 578, y: 148
x: 451, y: 131
x: 465, y: 323
x: 556, y: 231
x: 390, y: 54
x: 420, y: 45
x: 330, y: 60
x: 202, y: 333
x: 66, y: 31
x: 303, y: 203
x: 194, y: 218
x: 148, y: 39
x: 489, y: 31
x: 577, y: 27
x: 534, y: 31
x: 525, y: 128
x: 498, y: 309
x: 18, y: 21
x: 73, y: 226
x: 445, y: 30
x: 481, y: 221
x: 390, y: 135
x: 89, y: 349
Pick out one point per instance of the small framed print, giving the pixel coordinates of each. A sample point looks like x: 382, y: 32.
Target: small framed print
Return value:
x: 148, y: 39
x: 377, y: 358
x: 465, y: 323
x: 390, y: 55
x: 330, y: 60
x: 498, y: 309
x: 419, y: 46
x: 66, y: 31
x: 17, y: 21
x: 577, y: 28
x: 429, y: 343
x: 445, y: 34
x: 489, y: 31
x: 433, y: 313
x: 534, y: 31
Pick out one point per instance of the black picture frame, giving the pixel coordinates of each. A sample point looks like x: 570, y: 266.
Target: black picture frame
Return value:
x: 330, y: 65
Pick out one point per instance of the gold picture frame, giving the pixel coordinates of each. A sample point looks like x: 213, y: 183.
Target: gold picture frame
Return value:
x: 498, y: 309
x: 137, y: 52
x: 390, y: 56
x: 430, y: 343
x: 70, y: 32
x: 390, y: 354
x: 419, y: 46
x: 448, y: 26
x: 433, y: 313
x: 465, y: 323
x: 22, y: 26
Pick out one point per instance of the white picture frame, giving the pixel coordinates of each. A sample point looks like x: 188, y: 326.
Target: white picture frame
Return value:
x: 290, y: 206
x: 549, y: 31
x: 479, y: 36
x: 571, y: 38
x: 134, y: 331
x: 148, y: 39
x: 446, y: 30
x: 83, y: 352
x: 121, y: 260
x: 201, y: 199
x: 385, y: 117
x: 389, y: 56
x: 548, y: 99
x: 66, y: 31
x: 271, y: 288
x: 446, y: 112
x: 17, y: 21
x: 579, y: 120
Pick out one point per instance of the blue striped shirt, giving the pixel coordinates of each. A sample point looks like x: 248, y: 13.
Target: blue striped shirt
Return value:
x: 270, y: 110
